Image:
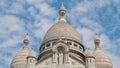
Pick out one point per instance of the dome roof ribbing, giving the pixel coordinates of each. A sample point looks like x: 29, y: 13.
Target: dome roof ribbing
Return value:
x: 20, y: 59
x: 101, y: 59
x: 62, y: 29
x: 21, y: 56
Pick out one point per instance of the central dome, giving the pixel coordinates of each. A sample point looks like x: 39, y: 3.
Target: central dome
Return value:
x: 61, y: 30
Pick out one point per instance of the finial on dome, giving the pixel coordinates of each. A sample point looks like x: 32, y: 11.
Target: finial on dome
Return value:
x: 62, y: 7
x: 62, y: 12
x: 97, y: 37
x: 26, y: 41
x: 97, y: 42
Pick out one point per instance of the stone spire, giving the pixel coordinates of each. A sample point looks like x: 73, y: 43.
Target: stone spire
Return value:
x: 97, y: 42
x: 62, y: 12
x: 26, y: 41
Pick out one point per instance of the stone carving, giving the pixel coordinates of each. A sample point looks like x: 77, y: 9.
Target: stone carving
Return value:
x: 60, y: 57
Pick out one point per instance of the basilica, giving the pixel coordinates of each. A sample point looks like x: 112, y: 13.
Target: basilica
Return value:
x: 61, y: 48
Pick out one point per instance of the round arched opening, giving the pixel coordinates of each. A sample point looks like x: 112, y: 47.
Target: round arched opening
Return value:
x: 60, y: 48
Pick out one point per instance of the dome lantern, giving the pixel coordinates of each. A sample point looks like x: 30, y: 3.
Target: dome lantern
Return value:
x: 97, y: 42
x: 62, y: 12
x: 26, y: 41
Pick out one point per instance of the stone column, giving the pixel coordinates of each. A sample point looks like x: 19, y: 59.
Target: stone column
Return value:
x: 54, y: 59
x: 66, y: 58
x: 50, y: 44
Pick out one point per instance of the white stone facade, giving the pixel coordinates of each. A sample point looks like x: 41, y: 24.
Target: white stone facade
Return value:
x: 61, y: 48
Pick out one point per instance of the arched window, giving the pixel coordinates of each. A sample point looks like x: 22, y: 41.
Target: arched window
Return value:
x: 75, y: 45
x: 69, y: 43
x: 47, y: 45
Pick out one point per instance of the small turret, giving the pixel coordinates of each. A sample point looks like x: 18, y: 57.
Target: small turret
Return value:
x: 31, y: 59
x: 90, y: 59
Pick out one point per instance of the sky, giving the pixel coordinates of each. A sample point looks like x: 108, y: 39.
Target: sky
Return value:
x: 35, y: 17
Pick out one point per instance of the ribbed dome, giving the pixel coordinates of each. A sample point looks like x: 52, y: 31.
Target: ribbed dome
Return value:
x: 61, y: 30
x: 102, y: 60
x: 21, y: 55
x: 19, y: 61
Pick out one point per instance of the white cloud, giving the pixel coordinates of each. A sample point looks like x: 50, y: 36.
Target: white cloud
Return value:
x: 87, y: 37
x: 16, y: 8
x: 106, y: 42
x: 11, y: 30
x: 42, y: 27
x: 95, y: 26
x: 100, y: 3
x: 44, y: 16
x: 46, y: 10
x: 3, y: 3
x: 34, y: 1
x: 10, y: 24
